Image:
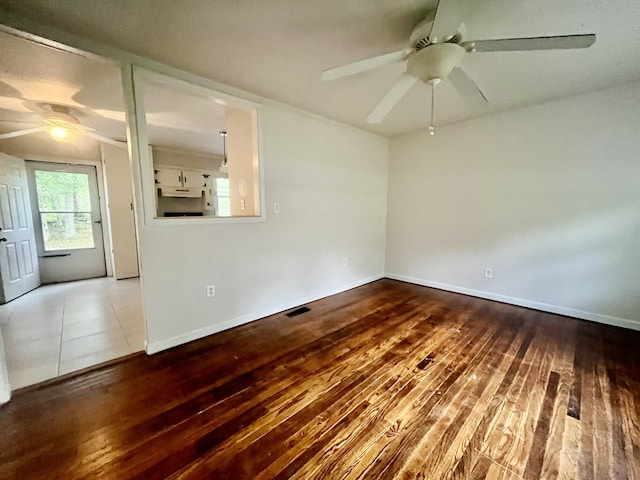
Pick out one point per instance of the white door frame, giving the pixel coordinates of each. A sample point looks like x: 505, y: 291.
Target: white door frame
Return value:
x: 103, y: 206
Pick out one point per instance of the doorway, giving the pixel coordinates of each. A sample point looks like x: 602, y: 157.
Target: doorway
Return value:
x: 67, y: 220
x: 64, y: 114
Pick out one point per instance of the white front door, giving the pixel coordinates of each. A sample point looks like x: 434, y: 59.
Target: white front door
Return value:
x: 18, y: 259
x: 68, y: 224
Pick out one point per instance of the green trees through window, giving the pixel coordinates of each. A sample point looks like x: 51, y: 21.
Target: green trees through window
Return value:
x: 64, y: 204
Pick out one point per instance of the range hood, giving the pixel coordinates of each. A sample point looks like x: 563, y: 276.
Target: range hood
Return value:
x: 180, y: 192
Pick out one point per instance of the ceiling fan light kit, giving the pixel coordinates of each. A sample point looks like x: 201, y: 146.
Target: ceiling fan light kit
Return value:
x: 437, y: 49
x: 436, y: 61
x: 62, y: 126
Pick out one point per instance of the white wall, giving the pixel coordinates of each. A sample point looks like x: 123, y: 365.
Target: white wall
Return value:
x: 243, y: 162
x: 330, y: 181
x: 5, y: 388
x: 547, y: 196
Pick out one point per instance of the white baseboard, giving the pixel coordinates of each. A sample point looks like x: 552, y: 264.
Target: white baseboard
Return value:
x: 521, y: 302
x: 155, y: 347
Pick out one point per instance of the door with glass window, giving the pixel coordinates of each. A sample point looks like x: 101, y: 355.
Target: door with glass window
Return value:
x: 68, y: 224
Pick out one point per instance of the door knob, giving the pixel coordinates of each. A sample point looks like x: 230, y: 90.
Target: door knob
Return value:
x: 3, y: 239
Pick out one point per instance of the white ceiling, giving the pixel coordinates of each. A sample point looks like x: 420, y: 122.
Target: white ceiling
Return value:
x: 33, y: 76
x: 279, y: 48
x: 183, y: 120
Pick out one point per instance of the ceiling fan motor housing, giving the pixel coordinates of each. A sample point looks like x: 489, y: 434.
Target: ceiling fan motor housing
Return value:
x: 419, y: 38
x: 60, y: 118
x: 435, y: 61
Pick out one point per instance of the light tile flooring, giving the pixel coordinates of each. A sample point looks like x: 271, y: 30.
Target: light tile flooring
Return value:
x: 57, y: 329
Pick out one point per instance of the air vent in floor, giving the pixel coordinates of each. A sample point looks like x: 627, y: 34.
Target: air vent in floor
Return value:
x: 297, y: 311
x: 425, y: 361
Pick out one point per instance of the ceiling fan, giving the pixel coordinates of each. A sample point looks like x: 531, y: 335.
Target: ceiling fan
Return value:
x: 62, y: 126
x: 436, y: 49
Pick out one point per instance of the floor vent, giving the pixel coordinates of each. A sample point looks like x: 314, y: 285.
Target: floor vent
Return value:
x: 573, y: 411
x: 425, y: 361
x: 297, y: 311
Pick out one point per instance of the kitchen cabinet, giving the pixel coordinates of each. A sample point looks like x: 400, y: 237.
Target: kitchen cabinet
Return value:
x: 177, y: 188
x: 193, y: 179
x: 179, y: 178
x: 209, y: 206
x: 168, y: 177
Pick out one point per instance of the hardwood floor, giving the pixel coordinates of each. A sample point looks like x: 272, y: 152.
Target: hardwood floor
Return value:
x: 389, y: 380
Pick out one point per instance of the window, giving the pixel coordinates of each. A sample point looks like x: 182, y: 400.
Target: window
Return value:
x: 223, y: 207
x: 65, y: 210
x: 201, y: 150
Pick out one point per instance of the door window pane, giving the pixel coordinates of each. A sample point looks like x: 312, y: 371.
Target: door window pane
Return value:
x: 66, y: 231
x: 65, y: 210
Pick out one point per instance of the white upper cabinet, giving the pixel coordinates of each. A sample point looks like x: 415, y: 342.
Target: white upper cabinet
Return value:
x: 180, y: 178
x: 193, y: 179
x: 168, y: 177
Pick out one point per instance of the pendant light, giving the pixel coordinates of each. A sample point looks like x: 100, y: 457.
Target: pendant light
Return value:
x: 224, y: 168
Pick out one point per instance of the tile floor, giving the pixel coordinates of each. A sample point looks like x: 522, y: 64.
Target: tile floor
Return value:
x: 59, y: 328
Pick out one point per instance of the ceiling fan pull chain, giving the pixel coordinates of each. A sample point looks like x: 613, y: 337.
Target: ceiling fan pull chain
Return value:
x: 432, y: 128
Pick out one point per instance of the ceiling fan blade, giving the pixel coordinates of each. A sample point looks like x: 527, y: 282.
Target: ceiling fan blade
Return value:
x: 533, y: 43
x: 467, y: 88
x: 448, y: 18
x: 392, y: 97
x: 19, y: 133
x: 108, y: 140
x: 364, y: 65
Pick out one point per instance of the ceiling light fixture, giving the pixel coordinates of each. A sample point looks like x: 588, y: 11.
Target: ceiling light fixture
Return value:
x: 224, y: 168
x: 62, y: 126
x: 58, y: 122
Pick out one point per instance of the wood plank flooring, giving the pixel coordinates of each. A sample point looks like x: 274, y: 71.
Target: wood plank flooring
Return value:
x: 388, y: 380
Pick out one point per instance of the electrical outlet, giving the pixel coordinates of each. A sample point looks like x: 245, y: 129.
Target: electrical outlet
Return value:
x: 211, y: 290
x: 345, y: 261
x: 276, y: 207
x: 242, y: 204
x: 488, y: 273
